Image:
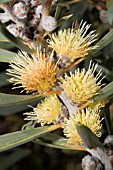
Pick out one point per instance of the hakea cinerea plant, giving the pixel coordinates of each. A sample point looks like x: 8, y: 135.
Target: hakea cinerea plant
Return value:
x: 82, y: 85
x: 88, y: 117
x: 74, y: 43
x: 36, y: 73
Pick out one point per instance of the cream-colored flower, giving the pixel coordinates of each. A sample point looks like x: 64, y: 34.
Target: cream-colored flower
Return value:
x: 88, y: 117
x: 35, y: 73
x: 73, y: 43
x: 47, y: 111
x: 82, y: 85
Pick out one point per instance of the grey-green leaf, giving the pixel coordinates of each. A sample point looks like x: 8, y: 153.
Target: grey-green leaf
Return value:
x: 14, y: 103
x: 63, y: 19
x: 3, y: 79
x: 89, y: 139
x: 58, y: 142
x: 104, y: 92
x: 7, y: 56
x: 3, y: 38
x: 103, y: 42
x: 14, y: 139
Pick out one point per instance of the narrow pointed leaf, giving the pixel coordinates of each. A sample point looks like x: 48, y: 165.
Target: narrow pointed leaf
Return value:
x: 14, y: 103
x: 62, y: 145
x: 104, y: 92
x: 9, y: 99
x: 89, y: 139
x: 3, y: 79
x: 3, y: 38
x: 63, y: 19
x: 14, y: 139
x: 58, y: 142
x: 108, y: 38
x: 7, y: 56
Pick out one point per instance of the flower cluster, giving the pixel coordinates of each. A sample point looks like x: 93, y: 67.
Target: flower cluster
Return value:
x: 82, y: 85
x: 41, y: 73
x: 35, y: 73
x: 88, y: 117
x: 47, y: 111
x: 73, y: 43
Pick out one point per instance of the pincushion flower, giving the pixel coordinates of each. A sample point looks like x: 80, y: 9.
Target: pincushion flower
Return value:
x: 47, y: 111
x: 73, y: 43
x: 82, y: 85
x: 35, y: 73
x: 88, y: 117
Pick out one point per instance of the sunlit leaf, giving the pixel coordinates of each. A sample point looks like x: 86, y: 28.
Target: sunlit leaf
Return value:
x: 15, y: 103
x: 14, y: 139
x: 3, y: 38
x: 58, y: 142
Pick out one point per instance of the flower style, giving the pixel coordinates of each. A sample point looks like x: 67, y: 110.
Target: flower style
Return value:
x: 82, y: 85
x: 88, y: 117
x: 73, y: 43
x: 47, y: 111
x: 35, y: 73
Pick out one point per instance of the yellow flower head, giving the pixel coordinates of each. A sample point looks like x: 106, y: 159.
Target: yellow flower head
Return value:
x: 35, y: 73
x: 82, y: 85
x: 73, y: 43
x: 47, y: 111
x: 88, y: 117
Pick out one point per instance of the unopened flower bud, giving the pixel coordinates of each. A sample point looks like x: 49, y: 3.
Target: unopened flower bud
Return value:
x: 16, y: 31
x: 91, y: 163
x: 49, y: 23
x: 20, y: 10
x: 108, y: 145
x: 38, y: 11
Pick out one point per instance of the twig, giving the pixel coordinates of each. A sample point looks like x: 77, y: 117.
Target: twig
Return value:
x: 85, y: 105
x: 46, y: 6
x: 72, y: 108
x: 72, y: 65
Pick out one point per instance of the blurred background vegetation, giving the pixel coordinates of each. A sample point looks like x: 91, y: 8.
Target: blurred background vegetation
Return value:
x: 32, y: 156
